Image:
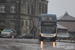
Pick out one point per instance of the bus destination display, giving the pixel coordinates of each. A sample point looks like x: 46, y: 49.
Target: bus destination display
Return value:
x: 48, y: 23
x: 45, y: 24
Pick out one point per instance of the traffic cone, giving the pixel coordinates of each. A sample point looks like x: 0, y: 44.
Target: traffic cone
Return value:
x: 12, y: 37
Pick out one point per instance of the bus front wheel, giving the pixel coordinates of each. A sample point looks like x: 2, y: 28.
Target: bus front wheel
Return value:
x: 40, y: 39
x: 53, y: 40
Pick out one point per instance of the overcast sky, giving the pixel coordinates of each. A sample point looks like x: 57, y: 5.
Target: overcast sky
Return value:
x: 59, y: 7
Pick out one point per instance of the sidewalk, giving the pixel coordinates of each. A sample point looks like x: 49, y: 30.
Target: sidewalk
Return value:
x: 68, y: 41
x: 36, y: 41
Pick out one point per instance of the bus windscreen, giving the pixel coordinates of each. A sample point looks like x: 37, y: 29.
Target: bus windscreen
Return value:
x: 48, y: 29
x: 48, y: 17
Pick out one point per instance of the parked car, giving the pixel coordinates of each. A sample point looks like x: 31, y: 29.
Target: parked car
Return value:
x: 29, y: 36
x: 8, y: 32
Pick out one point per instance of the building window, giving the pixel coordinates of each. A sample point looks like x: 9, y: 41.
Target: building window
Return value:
x: 26, y: 23
x: 35, y: 0
x: 2, y: 22
x: 39, y: 7
x: 12, y: 22
x: 35, y: 3
x: 2, y: 8
x: 32, y: 9
x: 12, y: 8
x: 3, y: 1
x: 45, y: 8
x: 28, y: 9
x: 42, y: 8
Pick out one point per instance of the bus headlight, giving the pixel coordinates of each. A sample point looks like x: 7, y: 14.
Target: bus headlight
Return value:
x: 54, y: 34
x: 41, y: 34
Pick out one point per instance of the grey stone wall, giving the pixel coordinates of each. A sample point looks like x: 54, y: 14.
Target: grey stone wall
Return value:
x: 25, y: 11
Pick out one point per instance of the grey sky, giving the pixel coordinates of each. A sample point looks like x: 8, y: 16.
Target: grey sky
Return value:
x: 59, y: 7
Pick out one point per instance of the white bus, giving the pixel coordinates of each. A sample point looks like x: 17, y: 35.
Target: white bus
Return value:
x: 48, y: 27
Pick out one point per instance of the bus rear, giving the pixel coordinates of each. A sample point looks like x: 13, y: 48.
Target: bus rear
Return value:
x: 48, y: 25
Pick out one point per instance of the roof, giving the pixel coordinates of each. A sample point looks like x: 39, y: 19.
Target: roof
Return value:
x: 67, y: 21
x: 66, y: 16
x: 61, y: 27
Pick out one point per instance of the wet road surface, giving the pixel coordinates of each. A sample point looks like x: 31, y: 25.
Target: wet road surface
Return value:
x: 43, y: 45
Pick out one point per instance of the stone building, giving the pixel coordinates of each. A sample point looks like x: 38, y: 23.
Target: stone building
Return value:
x: 69, y: 22
x: 22, y: 15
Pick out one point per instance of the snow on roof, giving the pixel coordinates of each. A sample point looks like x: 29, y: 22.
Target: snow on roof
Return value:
x: 61, y: 27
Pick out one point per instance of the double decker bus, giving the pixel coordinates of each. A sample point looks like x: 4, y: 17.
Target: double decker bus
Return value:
x: 48, y: 27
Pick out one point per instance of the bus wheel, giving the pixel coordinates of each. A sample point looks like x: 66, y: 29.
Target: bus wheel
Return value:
x: 51, y: 39
x: 40, y: 39
x: 54, y: 40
